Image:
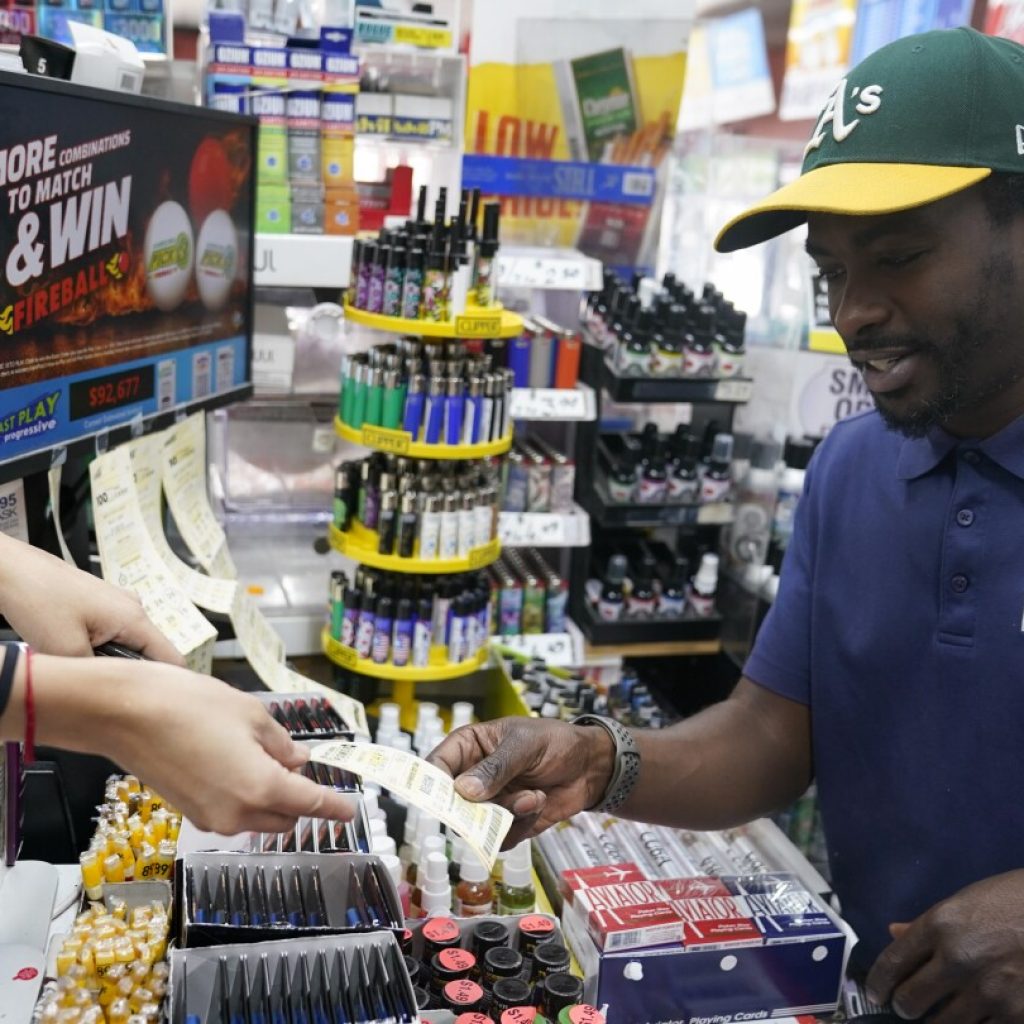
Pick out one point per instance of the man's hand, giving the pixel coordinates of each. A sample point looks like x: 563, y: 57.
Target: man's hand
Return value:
x: 542, y: 771
x: 960, y: 962
x: 212, y: 752
x: 59, y: 609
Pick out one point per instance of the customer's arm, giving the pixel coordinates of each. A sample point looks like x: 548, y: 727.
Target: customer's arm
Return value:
x: 734, y: 761
x: 59, y: 609
x: 212, y: 752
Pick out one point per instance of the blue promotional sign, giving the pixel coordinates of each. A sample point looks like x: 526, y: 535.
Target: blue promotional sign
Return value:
x: 558, y: 179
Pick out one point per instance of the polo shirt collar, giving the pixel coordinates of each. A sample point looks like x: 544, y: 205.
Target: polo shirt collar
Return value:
x: 920, y: 455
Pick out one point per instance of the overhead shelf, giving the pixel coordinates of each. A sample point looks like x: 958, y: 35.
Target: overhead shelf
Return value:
x: 608, y: 513
x: 302, y: 261
x: 398, y: 442
x: 656, y: 649
x: 476, y: 322
x: 439, y: 668
x: 361, y: 544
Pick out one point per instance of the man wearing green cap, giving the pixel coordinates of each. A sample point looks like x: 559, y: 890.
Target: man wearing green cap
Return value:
x: 891, y: 666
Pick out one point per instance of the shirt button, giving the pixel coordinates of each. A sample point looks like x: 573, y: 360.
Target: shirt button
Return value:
x: 971, y: 457
x: 965, y: 517
x: 959, y: 583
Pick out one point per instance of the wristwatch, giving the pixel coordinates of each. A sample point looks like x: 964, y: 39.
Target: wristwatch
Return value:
x: 627, y: 762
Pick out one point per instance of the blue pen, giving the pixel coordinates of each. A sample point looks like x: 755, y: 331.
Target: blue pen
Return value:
x: 435, y: 411
x: 297, y: 915
x: 415, y: 400
x: 455, y: 408
x: 201, y: 911
x: 220, y: 900
x: 258, y: 903
x: 276, y: 914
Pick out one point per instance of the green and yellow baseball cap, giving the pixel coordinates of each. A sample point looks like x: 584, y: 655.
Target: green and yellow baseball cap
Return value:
x: 918, y: 120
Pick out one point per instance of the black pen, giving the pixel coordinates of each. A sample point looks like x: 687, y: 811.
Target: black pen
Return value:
x: 278, y: 1003
x: 297, y: 910
x: 221, y: 898
x: 259, y: 898
x: 374, y: 895
x: 202, y: 902
x: 240, y: 911
x: 355, y: 914
x: 318, y: 917
x: 277, y: 905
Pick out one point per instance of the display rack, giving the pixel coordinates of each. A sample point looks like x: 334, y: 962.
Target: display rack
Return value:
x: 361, y: 544
x: 714, y: 400
x: 477, y: 322
x: 439, y: 669
x: 398, y: 442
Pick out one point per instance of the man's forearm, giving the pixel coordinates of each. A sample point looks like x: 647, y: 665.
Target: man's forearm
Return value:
x: 733, y: 762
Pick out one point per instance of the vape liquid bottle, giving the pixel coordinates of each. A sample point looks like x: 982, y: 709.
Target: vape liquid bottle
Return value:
x: 667, y: 350
x: 474, y: 895
x: 702, y: 591
x: 622, y: 482
x: 517, y: 894
x: 641, y: 601
x: 672, y: 600
x: 633, y: 355
x: 610, y: 605
x: 699, y: 355
x: 653, y: 486
x: 729, y: 346
x: 717, y: 481
x: 684, y: 479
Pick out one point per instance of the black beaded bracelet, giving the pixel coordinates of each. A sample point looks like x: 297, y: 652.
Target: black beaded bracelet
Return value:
x: 627, y: 762
x: 12, y: 651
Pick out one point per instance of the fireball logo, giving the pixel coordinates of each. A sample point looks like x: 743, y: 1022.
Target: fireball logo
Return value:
x: 117, y: 265
x: 7, y: 320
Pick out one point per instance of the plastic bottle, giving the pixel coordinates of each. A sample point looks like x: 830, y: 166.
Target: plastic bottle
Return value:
x: 716, y: 482
x: 462, y: 714
x: 393, y: 866
x: 517, y: 894
x: 797, y: 455
x: 431, y: 844
x: 672, y: 599
x: 437, y: 891
x: 609, y: 607
x: 702, y: 590
x: 747, y: 538
x: 474, y: 895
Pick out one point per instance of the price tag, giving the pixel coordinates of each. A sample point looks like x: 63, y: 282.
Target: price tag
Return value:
x: 384, y: 440
x: 734, y: 390
x: 552, y: 648
x: 550, y: 404
x: 717, y: 514
x: 542, y: 272
x: 535, y: 529
x: 478, y: 325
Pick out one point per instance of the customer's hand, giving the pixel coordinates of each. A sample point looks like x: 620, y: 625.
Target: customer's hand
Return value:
x: 962, y: 961
x: 59, y: 609
x: 542, y: 771
x: 213, y: 753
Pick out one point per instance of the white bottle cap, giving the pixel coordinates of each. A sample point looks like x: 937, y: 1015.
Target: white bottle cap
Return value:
x: 437, y: 890
x: 462, y: 714
x: 383, y: 846
x: 458, y: 849
x: 425, y: 711
x: 471, y: 869
x: 378, y: 827
x: 403, y: 741
x: 393, y: 866
x: 372, y: 807
x: 430, y: 845
x: 707, y: 576
x: 390, y: 717
x: 517, y: 867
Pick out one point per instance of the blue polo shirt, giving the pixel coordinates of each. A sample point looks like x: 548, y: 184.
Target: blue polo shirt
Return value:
x: 898, y: 620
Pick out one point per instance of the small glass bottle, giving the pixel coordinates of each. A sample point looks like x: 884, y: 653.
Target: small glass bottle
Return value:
x: 609, y: 607
x: 517, y: 894
x: 474, y: 895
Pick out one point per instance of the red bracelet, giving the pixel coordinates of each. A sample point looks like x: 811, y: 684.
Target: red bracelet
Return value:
x: 29, y: 753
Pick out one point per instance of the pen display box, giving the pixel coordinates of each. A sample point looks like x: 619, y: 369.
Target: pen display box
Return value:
x: 225, y: 897
x: 353, y: 978
x: 306, y: 716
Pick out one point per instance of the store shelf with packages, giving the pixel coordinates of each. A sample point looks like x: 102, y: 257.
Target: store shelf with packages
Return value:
x: 565, y: 405
x: 545, y: 529
x: 611, y: 514
x: 302, y: 261
x: 398, y: 442
x: 476, y: 322
x: 627, y: 631
x: 438, y: 670
x: 597, y: 372
x: 361, y: 545
x: 547, y: 269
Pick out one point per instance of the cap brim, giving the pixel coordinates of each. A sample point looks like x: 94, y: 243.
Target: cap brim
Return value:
x: 854, y: 189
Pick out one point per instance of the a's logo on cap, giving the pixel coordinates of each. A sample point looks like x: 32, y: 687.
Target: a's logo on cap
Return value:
x: 869, y: 99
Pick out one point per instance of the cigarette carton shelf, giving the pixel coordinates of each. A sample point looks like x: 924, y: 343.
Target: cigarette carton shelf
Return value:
x: 476, y: 322
x: 302, y: 261
x: 438, y: 670
x: 608, y: 513
x: 596, y: 371
x: 362, y: 545
x: 398, y: 442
